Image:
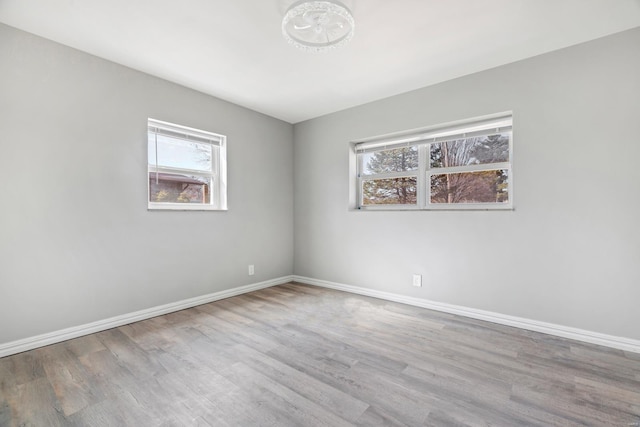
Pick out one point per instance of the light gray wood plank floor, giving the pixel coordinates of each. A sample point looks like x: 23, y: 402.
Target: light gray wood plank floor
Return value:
x: 297, y: 355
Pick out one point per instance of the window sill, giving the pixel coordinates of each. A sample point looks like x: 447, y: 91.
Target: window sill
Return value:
x: 465, y: 207
x: 182, y: 207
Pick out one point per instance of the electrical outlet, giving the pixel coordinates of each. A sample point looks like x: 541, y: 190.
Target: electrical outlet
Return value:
x: 417, y: 280
x: 251, y: 270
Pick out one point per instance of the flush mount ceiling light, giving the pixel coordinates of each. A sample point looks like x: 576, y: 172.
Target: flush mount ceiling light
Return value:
x: 318, y: 26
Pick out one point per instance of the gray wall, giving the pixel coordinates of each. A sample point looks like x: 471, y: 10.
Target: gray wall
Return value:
x: 570, y: 251
x: 77, y: 243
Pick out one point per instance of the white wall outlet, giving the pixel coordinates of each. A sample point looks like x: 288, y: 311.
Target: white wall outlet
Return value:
x: 252, y: 271
x: 417, y: 280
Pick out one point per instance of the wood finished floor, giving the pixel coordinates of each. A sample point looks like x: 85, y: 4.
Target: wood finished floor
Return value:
x: 295, y: 355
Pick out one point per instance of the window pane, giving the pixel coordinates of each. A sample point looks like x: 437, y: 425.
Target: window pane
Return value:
x: 396, y: 160
x: 399, y: 191
x: 470, y: 151
x: 178, y: 153
x: 176, y: 188
x: 471, y: 187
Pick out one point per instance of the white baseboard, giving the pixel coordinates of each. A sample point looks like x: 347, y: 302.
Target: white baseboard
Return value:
x: 19, y: 346
x: 26, y: 344
x: 620, y: 343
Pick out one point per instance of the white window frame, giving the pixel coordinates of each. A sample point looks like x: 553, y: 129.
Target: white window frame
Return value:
x: 422, y: 139
x: 217, y: 176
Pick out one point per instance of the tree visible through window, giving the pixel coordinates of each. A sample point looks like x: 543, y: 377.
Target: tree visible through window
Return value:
x: 463, y: 167
x: 391, y: 190
x: 470, y: 187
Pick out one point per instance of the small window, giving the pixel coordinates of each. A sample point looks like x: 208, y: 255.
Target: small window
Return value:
x: 186, y: 167
x: 461, y: 166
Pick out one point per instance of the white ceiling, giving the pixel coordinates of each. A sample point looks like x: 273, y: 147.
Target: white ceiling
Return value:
x: 233, y: 49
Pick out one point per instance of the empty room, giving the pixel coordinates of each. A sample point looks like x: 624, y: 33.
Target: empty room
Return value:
x: 319, y: 213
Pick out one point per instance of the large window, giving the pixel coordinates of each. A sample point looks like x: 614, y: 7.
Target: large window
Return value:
x: 461, y: 166
x: 187, y: 168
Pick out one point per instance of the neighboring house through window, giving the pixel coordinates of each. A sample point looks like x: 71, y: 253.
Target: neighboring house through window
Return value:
x: 186, y: 167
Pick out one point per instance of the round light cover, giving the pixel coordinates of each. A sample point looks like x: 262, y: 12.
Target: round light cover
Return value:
x: 318, y: 26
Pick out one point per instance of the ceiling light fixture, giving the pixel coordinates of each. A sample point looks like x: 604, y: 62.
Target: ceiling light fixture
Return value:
x: 318, y: 26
